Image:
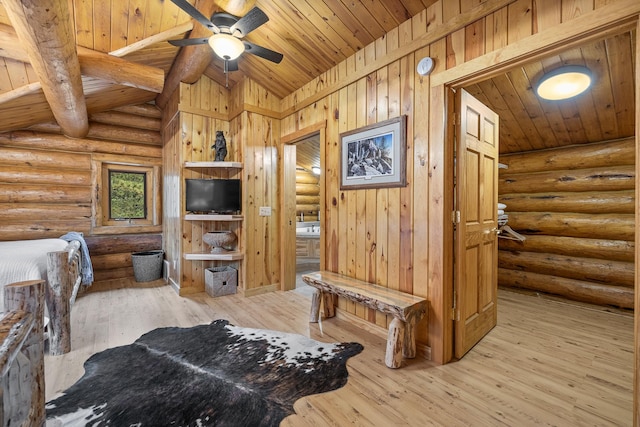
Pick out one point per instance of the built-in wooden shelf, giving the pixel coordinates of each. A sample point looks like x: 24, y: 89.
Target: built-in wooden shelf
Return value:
x: 208, y: 256
x: 212, y: 217
x: 236, y: 165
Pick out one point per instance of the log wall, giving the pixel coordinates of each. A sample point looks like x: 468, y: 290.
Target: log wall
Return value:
x: 307, y: 195
x: 46, y: 182
x: 578, y: 220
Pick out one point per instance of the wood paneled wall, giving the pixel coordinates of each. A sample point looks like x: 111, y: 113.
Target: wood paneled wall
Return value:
x: 192, y: 117
x: 257, y: 130
x: 248, y: 118
x: 46, y: 181
x: 402, y: 237
x: 575, y: 207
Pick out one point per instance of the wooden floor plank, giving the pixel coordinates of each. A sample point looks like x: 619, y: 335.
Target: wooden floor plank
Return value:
x: 547, y: 362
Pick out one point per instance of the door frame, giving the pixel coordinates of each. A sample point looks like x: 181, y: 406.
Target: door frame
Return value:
x: 592, y: 26
x: 287, y: 235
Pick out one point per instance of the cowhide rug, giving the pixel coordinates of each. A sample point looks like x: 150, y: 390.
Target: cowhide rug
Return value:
x: 208, y: 375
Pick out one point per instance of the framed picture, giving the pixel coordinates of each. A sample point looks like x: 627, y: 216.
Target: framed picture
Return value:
x: 374, y: 156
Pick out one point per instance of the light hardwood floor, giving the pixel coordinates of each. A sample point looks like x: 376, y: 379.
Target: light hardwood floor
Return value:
x: 548, y: 362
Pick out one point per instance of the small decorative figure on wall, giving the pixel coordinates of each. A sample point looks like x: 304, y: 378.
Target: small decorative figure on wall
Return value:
x: 220, y: 146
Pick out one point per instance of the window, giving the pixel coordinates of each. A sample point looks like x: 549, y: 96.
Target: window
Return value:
x: 127, y: 195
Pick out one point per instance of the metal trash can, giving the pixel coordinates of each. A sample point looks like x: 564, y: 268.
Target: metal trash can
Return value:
x: 147, y: 266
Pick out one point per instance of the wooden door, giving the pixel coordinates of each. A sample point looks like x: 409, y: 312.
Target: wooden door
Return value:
x: 288, y: 219
x: 476, y: 243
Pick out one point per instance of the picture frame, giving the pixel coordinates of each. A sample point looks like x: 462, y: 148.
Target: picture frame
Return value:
x: 374, y: 156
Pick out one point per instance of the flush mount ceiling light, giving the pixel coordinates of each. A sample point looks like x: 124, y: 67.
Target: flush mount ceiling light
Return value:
x: 226, y: 46
x: 315, y: 170
x: 564, y: 83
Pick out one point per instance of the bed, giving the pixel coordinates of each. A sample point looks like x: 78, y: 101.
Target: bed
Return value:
x: 59, y: 263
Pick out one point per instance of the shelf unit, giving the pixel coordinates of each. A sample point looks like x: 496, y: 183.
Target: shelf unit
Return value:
x: 227, y: 165
x: 213, y: 217
x: 207, y: 256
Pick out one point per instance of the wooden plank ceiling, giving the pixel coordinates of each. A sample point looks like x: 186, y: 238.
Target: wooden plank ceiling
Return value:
x: 605, y: 112
x: 313, y: 35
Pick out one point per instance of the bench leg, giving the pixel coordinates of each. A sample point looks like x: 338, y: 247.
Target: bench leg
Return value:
x: 328, y: 305
x: 314, y: 315
x: 395, y: 338
x: 409, y: 347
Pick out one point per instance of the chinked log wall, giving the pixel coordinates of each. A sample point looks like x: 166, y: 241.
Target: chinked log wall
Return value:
x: 307, y: 195
x: 576, y: 207
x: 46, y: 184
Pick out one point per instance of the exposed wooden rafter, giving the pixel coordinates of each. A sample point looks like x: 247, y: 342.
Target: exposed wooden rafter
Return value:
x: 101, y: 65
x: 45, y: 30
x: 191, y: 62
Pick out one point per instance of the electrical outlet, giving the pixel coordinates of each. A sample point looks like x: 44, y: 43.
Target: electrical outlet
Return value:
x: 265, y: 211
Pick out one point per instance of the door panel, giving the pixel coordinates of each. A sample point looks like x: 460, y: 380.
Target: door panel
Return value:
x: 476, y: 248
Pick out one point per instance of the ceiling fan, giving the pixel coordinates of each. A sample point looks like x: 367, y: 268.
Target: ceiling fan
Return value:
x: 228, y: 32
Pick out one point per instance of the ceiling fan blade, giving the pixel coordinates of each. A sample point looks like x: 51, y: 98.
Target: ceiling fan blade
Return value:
x: 249, y: 22
x: 262, y: 52
x: 189, y: 42
x: 195, y: 14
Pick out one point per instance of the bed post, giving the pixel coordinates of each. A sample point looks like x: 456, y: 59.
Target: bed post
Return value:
x: 21, y: 332
x: 58, y: 294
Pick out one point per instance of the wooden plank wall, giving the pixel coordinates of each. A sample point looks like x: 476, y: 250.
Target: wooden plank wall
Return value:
x: 46, y: 181
x: 254, y: 126
x: 575, y: 206
x: 248, y: 118
x: 397, y: 237
x: 192, y: 117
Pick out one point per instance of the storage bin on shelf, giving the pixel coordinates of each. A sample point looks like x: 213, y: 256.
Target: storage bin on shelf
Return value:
x: 221, y: 281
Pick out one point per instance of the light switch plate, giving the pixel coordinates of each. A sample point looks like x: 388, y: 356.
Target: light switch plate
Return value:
x: 265, y: 211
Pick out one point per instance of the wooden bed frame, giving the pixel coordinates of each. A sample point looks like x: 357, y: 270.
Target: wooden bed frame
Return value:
x: 63, y: 282
x: 22, y: 391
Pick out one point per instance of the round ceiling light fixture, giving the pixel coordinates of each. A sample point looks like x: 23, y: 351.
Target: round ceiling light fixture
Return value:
x: 226, y: 46
x: 564, y: 83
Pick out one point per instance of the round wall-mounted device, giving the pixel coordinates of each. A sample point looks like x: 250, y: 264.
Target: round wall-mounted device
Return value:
x: 425, y: 66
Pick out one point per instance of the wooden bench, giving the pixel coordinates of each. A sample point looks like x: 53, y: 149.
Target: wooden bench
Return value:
x: 406, y: 309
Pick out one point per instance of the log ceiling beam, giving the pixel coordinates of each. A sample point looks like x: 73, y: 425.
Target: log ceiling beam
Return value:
x: 97, y: 64
x: 191, y: 61
x: 44, y: 28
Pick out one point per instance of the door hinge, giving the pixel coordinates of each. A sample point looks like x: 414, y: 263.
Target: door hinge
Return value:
x: 455, y: 217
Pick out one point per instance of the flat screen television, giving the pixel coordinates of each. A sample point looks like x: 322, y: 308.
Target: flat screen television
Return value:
x: 220, y: 196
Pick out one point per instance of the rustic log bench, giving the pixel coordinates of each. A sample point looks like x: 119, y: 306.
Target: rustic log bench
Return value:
x: 406, y: 309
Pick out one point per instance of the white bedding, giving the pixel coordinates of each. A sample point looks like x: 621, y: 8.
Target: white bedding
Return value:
x: 26, y: 260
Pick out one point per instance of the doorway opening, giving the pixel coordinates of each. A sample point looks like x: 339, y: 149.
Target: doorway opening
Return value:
x: 308, y: 215
x: 302, y: 202
x: 558, y: 257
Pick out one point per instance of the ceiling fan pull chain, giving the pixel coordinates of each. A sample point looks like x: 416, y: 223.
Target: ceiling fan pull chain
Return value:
x: 226, y: 72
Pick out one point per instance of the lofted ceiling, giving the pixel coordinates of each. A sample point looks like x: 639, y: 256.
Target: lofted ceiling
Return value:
x: 313, y: 36
x: 125, y: 60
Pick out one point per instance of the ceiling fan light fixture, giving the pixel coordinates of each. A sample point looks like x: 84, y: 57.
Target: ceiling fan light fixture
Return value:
x: 564, y: 83
x: 226, y: 46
